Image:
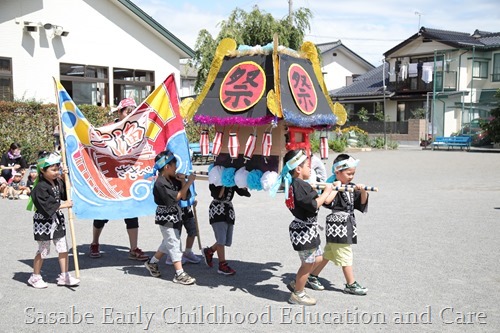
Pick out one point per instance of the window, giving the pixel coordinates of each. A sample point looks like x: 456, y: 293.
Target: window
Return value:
x: 134, y: 83
x: 480, y: 69
x: 6, y: 93
x: 496, y: 68
x: 86, y: 84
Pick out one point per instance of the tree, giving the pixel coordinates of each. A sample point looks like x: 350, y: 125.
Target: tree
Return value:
x: 493, y: 126
x: 254, y: 28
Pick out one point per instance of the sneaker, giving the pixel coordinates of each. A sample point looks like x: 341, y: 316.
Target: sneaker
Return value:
x: 190, y: 257
x: 225, y: 269
x: 137, y: 254
x: 37, y: 282
x: 184, y: 278
x: 208, y: 254
x: 67, y: 280
x: 24, y: 196
x: 94, y: 251
x: 313, y: 283
x: 303, y: 299
x: 355, y: 289
x: 291, y: 286
x: 16, y: 197
x: 152, y: 268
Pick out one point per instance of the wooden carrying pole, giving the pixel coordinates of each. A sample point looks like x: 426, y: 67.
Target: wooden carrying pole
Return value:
x: 68, y: 185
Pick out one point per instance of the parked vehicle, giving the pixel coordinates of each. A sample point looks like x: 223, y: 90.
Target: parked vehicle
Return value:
x: 473, y: 129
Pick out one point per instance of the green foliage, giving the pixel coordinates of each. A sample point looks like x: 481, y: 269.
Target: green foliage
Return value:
x: 193, y: 131
x: 377, y: 142
x: 338, y: 145
x: 379, y: 112
x: 363, y: 115
x: 314, y: 141
x: 254, y: 28
x: 493, y: 126
x: 418, y: 113
x: 32, y: 124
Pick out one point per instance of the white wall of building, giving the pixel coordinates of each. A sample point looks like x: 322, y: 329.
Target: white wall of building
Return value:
x: 339, y: 67
x: 100, y: 33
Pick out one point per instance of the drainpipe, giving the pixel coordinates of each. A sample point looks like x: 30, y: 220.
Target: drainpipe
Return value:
x: 444, y: 110
x: 434, y: 94
x: 471, y: 83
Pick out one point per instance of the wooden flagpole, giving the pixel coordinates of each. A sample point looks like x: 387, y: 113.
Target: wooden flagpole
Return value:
x: 197, y: 227
x: 68, y: 185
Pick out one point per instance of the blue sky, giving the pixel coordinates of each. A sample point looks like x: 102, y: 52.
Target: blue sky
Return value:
x: 368, y: 27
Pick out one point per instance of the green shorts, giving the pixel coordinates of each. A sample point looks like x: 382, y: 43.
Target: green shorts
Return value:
x: 339, y: 254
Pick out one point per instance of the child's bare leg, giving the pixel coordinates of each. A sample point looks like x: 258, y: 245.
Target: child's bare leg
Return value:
x: 221, y: 252
x: 319, y: 266
x: 63, y: 262
x: 158, y: 255
x: 37, y: 264
x: 189, y: 242
x: 302, y: 275
x: 348, y: 274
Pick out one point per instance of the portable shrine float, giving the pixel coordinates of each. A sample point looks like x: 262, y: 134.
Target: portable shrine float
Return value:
x: 262, y: 102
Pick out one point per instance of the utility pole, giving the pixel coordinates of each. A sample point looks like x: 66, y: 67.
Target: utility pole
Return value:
x: 290, y: 12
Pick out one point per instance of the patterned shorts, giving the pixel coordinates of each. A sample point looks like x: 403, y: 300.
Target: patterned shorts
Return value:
x: 44, y: 246
x: 309, y: 256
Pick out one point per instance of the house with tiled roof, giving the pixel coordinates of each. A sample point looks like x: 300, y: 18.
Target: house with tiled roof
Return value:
x: 101, y: 51
x: 450, y: 75
x: 340, y: 65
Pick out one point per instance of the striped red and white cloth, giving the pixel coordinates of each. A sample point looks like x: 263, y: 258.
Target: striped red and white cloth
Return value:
x: 323, y: 147
x: 204, y: 143
x: 217, y: 145
x: 233, y: 145
x: 250, y: 147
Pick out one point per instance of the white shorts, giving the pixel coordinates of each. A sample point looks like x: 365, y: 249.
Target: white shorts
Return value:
x: 171, y: 243
x: 44, y: 246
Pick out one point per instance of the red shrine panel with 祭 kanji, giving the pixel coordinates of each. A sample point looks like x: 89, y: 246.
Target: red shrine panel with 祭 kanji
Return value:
x: 240, y: 88
x: 243, y: 86
x: 302, y: 89
x: 301, y: 93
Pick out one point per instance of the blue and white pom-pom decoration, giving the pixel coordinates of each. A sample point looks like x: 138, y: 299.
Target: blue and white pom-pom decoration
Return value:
x: 268, y: 179
x: 241, y: 177
x: 228, y: 177
x: 215, y: 175
x: 254, y: 180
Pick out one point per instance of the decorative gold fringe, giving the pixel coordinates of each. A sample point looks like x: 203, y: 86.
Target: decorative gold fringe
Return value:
x: 225, y: 46
x: 311, y: 52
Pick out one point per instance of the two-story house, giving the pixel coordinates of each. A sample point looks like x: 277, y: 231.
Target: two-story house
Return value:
x: 340, y: 65
x: 450, y: 77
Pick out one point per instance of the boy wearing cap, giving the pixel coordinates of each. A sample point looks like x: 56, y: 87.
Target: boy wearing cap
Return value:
x: 125, y: 106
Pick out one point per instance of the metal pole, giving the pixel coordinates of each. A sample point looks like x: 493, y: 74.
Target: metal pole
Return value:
x: 383, y: 89
x: 290, y: 12
x: 434, y: 96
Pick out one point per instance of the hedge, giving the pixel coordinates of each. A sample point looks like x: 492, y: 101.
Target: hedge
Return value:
x: 32, y: 124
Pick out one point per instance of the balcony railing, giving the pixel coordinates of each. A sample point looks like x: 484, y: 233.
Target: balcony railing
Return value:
x: 445, y: 81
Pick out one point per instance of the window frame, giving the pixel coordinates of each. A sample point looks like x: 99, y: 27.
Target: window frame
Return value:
x: 495, y: 71
x: 7, y: 74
